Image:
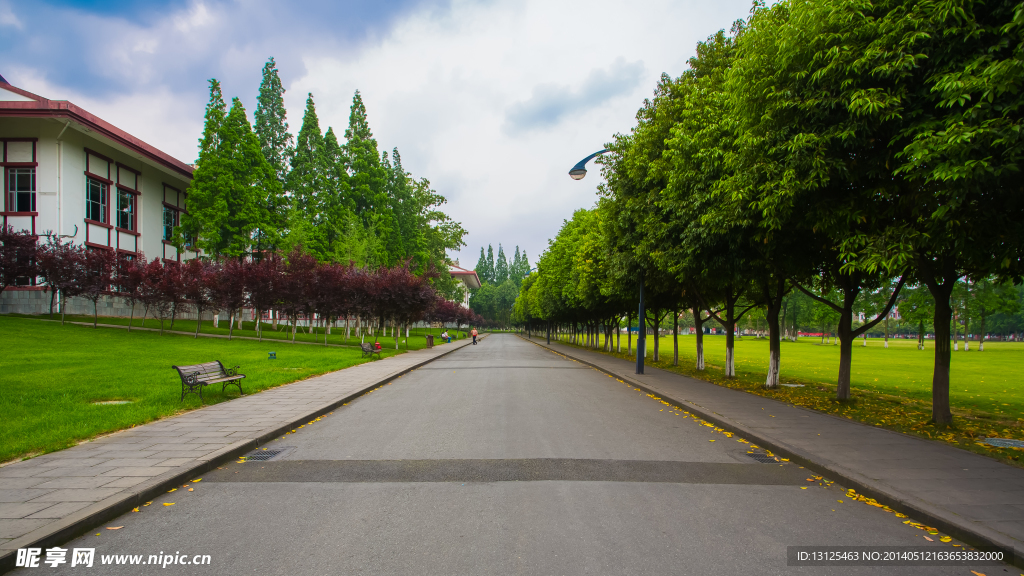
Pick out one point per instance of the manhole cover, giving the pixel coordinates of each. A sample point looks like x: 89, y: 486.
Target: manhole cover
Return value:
x: 1004, y: 442
x: 764, y: 458
x: 263, y: 454
x: 111, y: 402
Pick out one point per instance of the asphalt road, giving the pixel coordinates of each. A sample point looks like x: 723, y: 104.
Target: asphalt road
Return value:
x: 503, y: 458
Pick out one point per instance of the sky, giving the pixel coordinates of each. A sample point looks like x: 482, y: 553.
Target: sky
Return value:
x: 493, y: 101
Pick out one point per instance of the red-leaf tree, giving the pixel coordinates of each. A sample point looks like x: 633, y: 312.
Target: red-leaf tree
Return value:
x: 129, y: 274
x: 150, y: 293
x: 17, y: 257
x: 228, y: 288
x: 172, y: 289
x: 197, y: 276
x: 297, y: 285
x: 96, y: 276
x: 60, y: 265
x: 263, y: 286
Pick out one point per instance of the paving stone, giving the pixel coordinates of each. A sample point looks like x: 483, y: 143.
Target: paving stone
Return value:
x: 59, y: 510
x: 21, y: 509
x: 77, y: 495
x: 126, y: 482
x: 15, y: 528
x: 14, y: 483
x: 22, y: 494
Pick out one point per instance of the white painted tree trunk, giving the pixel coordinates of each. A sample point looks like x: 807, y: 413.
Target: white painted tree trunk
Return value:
x: 730, y: 366
x: 216, y: 320
x: 700, y: 355
x: 981, y: 346
x: 865, y: 340
x: 956, y: 345
x: 773, y: 371
x: 967, y: 345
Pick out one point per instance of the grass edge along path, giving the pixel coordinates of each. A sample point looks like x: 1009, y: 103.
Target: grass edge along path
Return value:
x: 54, y: 374
x: 897, y: 413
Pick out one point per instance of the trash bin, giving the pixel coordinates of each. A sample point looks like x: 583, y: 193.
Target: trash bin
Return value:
x: 430, y: 340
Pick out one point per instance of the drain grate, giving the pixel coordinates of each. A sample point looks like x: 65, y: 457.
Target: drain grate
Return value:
x: 764, y: 458
x: 264, y: 454
x: 1004, y: 442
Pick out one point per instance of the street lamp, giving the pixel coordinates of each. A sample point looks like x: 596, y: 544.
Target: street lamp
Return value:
x: 580, y: 169
x: 577, y: 173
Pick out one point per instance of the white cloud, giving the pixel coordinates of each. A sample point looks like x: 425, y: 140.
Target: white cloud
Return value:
x: 495, y: 102
x: 8, y: 17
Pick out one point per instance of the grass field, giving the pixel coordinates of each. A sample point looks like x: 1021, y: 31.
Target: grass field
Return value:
x: 52, y: 374
x: 416, y: 339
x: 891, y: 387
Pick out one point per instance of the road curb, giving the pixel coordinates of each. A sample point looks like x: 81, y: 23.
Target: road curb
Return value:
x: 922, y: 511
x: 85, y: 520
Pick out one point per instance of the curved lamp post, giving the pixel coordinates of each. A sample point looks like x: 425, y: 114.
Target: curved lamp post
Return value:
x: 580, y: 169
x: 577, y: 173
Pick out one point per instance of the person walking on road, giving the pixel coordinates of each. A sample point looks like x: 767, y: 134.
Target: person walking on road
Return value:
x: 473, y: 334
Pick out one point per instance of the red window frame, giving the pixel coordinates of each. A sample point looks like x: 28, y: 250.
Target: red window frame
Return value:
x: 7, y: 182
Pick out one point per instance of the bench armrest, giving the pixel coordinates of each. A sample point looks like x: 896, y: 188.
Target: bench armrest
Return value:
x: 231, y: 371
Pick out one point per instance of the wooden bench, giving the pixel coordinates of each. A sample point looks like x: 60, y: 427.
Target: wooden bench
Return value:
x: 369, y: 350
x: 194, y: 377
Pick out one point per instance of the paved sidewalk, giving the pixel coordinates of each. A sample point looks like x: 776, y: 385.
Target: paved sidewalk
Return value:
x: 51, y: 498
x: 971, y: 497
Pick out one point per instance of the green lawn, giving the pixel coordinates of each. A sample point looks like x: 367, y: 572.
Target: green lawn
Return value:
x: 991, y: 381
x: 891, y: 387
x: 52, y: 374
x: 416, y: 339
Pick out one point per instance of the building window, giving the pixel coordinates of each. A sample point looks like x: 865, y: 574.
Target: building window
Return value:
x: 125, y: 210
x: 21, y: 186
x: 170, y: 221
x: 96, y: 200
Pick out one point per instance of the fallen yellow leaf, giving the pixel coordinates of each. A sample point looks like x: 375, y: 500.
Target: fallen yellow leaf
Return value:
x: 197, y: 480
x: 171, y: 490
x: 977, y: 573
x: 945, y: 539
x: 190, y: 489
x: 114, y: 527
x: 135, y: 509
x: 803, y: 487
x: 710, y: 440
x: 147, y: 503
x: 168, y: 503
x: 929, y: 539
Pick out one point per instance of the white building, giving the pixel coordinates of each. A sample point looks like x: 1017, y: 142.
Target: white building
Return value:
x: 468, y: 278
x: 69, y: 173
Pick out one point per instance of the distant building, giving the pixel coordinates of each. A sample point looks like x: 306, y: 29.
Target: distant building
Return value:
x: 468, y: 278
x: 69, y: 173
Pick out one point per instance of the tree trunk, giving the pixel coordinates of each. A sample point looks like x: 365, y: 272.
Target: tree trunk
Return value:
x: 774, y: 307
x: 96, y: 314
x: 273, y: 319
x: 941, y: 293
x: 920, y: 335
x: 53, y: 294
x: 231, y: 324
x: 698, y: 329
x: 174, y: 313
x: 981, y: 337
x: 216, y: 320
x: 675, y: 337
x: 629, y: 334
x: 940, y: 375
x: 886, y: 345
x: 131, y: 315
x: 199, y: 320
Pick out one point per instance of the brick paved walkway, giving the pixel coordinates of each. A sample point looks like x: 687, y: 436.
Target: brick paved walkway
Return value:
x: 51, y: 498
x: 972, y: 497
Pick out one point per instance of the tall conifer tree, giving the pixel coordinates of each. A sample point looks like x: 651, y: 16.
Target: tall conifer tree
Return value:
x: 490, y: 264
x: 500, y: 267
x: 271, y: 128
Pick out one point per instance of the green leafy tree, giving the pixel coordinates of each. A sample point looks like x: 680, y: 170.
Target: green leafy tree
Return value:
x: 229, y: 186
